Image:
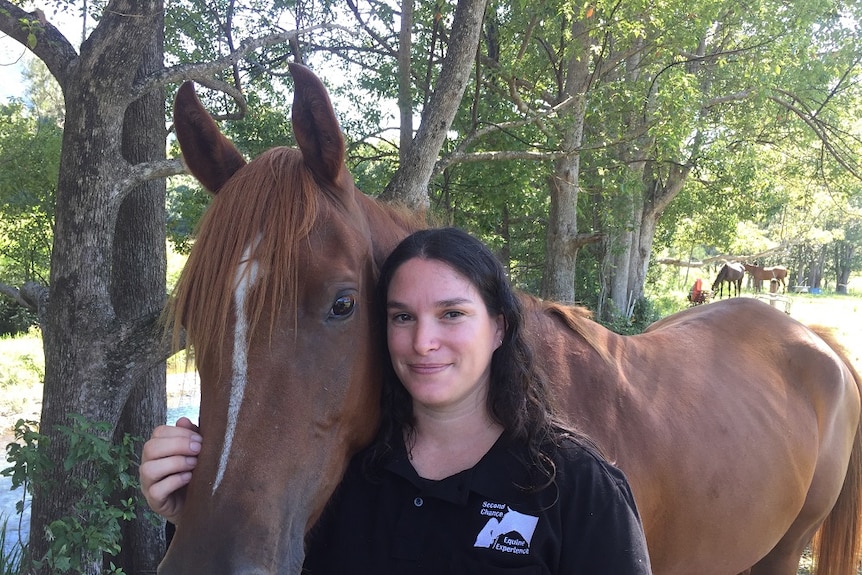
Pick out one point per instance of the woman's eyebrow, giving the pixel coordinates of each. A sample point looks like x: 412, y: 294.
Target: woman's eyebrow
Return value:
x: 456, y: 301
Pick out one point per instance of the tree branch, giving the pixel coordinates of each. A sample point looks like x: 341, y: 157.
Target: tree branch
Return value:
x: 15, y: 295
x: 370, y: 31
x: 492, y: 156
x: 141, y: 345
x: 38, y: 35
x: 205, y: 72
x: 31, y: 296
x: 820, y: 128
x: 140, y: 173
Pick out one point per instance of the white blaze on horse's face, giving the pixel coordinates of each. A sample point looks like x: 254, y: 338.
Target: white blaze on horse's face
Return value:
x: 245, y: 278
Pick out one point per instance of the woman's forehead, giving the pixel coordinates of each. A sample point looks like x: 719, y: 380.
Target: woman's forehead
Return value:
x: 430, y: 277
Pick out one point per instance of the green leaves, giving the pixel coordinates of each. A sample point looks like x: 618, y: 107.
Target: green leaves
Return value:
x: 29, y: 163
x: 93, y: 527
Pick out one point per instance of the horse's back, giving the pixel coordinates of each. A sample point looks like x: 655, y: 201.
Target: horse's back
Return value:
x: 722, y: 415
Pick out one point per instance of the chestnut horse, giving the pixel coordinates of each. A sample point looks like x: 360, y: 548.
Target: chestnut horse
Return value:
x: 759, y: 274
x: 732, y: 273
x: 739, y: 445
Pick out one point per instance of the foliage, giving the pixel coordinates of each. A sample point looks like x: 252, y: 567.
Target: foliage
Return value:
x: 704, y: 84
x: 186, y: 204
x: 645, y: 312
x: 15, y: 319
x: 94, y: 526
x: 43, y: 92
x: 29, y: 157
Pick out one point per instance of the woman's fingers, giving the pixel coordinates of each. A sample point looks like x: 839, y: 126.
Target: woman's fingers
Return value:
x: 167, y: 461
x: 186, y: 423
x: 168, y: 440
x: 165, y: 495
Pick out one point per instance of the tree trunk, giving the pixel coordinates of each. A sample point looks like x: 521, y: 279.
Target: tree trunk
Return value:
x: 660, y: 193
x: 843, y: 265
x: 96, y: 348
x: 405, y: 83
x: 409, y: 185
x: 138, y: 289
x: 560, y: 251
x: 620, y: 258
x: 561, y: 246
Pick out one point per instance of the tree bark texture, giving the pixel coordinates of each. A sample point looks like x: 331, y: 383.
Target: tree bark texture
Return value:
x: 409, y: 185
x: 138, y: 288
x: 405, y: 78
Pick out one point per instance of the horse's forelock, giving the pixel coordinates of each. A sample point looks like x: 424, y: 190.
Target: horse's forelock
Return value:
x: 272, y: 205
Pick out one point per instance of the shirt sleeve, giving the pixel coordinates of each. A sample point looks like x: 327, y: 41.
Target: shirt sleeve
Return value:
x: 605, y: 533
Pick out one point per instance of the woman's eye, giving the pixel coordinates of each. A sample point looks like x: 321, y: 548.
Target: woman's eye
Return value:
x: 343, y: 306
x: 452, y: 314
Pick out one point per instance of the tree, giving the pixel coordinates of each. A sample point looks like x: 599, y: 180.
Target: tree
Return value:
x: 106, y: 285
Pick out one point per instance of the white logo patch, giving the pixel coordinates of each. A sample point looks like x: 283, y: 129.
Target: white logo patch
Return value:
x: 507, y: 530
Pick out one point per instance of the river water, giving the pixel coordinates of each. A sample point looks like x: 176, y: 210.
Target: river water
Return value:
x: 18, y: 527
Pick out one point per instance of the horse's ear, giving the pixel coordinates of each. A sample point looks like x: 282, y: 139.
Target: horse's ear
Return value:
x: 209, y: 155
x: 315, y: 126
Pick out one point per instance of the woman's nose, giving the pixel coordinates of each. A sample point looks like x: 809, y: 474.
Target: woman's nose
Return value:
x: 425, y: 337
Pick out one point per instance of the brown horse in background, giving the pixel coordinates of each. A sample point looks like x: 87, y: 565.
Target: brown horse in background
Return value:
x: 759, y: 274
x: 737, y: 426
x: 732, y: 273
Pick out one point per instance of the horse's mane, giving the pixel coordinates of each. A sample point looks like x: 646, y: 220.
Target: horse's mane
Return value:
x: 577, y: 318
x: 268, y: 207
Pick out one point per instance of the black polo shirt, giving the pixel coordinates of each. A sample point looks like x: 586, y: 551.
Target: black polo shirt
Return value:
x: 480, y: 521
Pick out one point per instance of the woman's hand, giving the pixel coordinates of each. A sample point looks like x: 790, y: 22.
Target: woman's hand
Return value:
x: 167, y: 462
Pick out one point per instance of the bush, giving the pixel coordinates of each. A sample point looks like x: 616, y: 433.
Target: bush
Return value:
x: 15, y: 319
x: 644, y: 313
x: 93, y: 527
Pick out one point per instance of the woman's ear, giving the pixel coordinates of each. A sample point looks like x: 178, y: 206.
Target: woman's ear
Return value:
x: 501, y: 329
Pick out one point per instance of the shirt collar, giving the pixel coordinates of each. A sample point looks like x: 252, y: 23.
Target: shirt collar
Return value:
x: 499, y: 471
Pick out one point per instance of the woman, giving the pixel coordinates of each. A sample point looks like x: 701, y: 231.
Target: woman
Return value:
x: 471, y: 472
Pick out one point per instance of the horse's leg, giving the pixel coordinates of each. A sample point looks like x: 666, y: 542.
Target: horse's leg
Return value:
x: 785, y: 563
x: 784, y: 557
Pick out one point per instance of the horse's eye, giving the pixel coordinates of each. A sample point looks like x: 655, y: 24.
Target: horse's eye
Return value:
x: 343, y: 306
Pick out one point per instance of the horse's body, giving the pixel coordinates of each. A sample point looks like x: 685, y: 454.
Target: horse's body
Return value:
x: 760, y: 273
x: 736, y: 451
x: 732, y: 273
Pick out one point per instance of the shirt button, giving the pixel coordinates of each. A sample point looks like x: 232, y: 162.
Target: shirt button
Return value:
x: 418, y: 502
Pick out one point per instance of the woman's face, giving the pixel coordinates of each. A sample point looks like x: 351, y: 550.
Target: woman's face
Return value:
x: 441, y: 336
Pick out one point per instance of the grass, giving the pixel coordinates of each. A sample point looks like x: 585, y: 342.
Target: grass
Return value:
x: 22, y: 369
x: 10, y: 559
